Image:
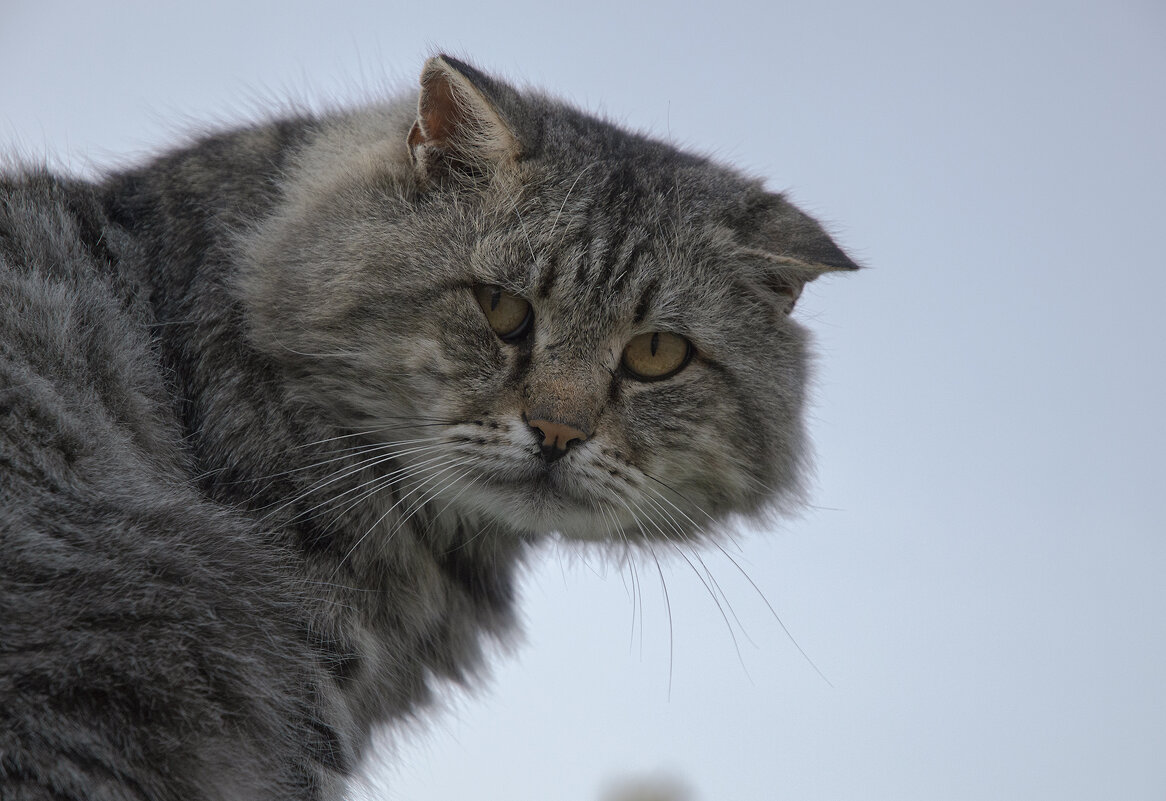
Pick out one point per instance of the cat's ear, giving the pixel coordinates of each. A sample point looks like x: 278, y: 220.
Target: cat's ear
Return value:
x: 459, y: 128
x: 794, y: 249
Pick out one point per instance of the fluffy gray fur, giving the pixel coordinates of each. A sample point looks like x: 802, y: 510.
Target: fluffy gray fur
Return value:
x: 266, y: 471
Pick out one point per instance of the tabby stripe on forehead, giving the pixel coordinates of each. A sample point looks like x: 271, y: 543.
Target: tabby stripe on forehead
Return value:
x: 632, y: 262
x: 645, y: 302
x: 614, y: 243
x: 547, y: 278
x: 585, y: 257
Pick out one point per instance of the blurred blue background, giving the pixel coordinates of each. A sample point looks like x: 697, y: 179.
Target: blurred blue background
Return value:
x: 982, y: 576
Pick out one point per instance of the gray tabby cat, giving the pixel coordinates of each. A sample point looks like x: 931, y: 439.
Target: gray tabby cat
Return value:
x: 283, y: 412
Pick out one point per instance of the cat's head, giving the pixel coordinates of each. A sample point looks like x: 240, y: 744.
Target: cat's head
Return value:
x: 562, y: 325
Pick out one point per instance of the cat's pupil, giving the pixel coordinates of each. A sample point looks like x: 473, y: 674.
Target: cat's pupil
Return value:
x: 497, y: 296
x: 655, y: 342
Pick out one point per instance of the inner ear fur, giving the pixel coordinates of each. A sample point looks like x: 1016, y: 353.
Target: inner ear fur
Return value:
x: 458, y: 127
x: 786, y: 277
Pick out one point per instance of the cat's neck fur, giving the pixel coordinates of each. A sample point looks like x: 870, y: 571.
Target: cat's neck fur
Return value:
x: 419, y: 591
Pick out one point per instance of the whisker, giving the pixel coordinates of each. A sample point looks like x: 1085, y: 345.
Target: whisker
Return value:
x: 386, y: 513
x: 346, y: 453
x: 380, y: 482
x: 740, y: 569
x: 709, y: 587
x: 612, y: 530
x: 663, y: 586
x: 352, y: 469
x: 338, y: 355
x: 728, y: 604
x: 637, y: 592
x: 455, y: 497
x: 668, y: 607
x: 776, y: 616
x: 348, y: 450
x: 421, y: 503
x: 713, y: 595
x: 682, y: 497
x: 428, y: 422
x: 490, y: 528
x: 701, y: 578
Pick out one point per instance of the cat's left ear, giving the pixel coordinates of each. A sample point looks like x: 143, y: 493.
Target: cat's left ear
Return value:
x: 459, y: 128
x: 794, y: 248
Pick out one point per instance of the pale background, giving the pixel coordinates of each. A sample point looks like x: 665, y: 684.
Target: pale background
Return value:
x: 981, y: 578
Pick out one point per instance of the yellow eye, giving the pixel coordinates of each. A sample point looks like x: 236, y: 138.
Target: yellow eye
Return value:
x: 657, y: 355
x: 509, y: 315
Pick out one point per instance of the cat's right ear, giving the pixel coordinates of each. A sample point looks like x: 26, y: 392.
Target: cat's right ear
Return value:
x: 459, y: 130
x: 792, y: 246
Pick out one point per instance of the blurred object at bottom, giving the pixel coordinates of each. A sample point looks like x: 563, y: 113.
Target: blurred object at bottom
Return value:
x: 649, y: 788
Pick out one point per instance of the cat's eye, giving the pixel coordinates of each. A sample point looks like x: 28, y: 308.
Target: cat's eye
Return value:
x: 656, y: 355
x: 509, y: 315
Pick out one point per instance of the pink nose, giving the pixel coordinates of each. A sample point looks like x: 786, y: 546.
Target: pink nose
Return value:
x: 557, y: 438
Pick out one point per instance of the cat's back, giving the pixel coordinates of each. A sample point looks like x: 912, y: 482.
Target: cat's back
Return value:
x: 132, y: 607
x: 80, y: 389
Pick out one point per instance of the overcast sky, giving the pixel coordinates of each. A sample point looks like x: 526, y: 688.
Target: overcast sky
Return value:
x: 982, y: 577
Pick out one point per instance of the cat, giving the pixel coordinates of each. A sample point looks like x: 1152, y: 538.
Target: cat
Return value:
x: 284, y: 411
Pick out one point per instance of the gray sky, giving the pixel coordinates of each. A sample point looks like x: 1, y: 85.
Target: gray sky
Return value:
x: 981, y: 577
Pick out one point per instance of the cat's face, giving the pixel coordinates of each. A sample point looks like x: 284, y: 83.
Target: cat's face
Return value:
x: 556, y: 412
x: 592, y: 338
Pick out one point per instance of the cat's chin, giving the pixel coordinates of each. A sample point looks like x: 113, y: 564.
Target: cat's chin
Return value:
x: 543, y: 507
x: 540, y: 504
x: 538, y: 510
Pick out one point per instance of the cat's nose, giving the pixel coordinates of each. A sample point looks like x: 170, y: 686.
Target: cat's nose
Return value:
x: 555, y: 438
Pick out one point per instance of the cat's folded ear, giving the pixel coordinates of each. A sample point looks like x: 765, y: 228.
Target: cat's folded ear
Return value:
x: 792, y: 247
x: 460, y: 130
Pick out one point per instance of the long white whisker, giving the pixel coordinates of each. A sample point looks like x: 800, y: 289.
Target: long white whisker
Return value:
x: 433, y: 494
x: 740, y: 569
x: 706, y: 582
x: 381, y: 482
x: 350, y: 470
x: 708, y: 588
x: 459, y: 493
x: 378, y: 484
x: 721, y: 609
x: 613, y: 527
x: 776, y: 616
x: 386, y: 513
x: 426, y: 421
x: 663, y: 586
x: 668, y: 607
x: 682, y: 497
x: 712, y: 585
x: 348, y: 453
x: 721, y: 590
